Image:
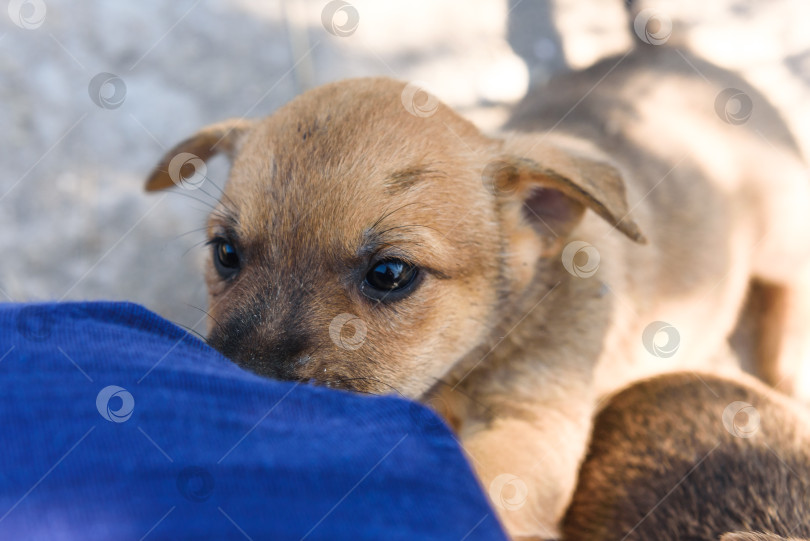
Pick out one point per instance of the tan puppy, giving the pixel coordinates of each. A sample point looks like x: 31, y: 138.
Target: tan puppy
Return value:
x: 682, y: 457
x: 369, y: 238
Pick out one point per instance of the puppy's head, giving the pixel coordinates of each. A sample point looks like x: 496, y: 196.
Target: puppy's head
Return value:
x: 369, y: 238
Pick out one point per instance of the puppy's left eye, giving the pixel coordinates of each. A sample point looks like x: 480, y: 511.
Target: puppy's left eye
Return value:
x: 390, y: 278
x: 226, y: 257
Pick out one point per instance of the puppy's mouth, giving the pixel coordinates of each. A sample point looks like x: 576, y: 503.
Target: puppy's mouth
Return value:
x: 277, y: 361
x: 294, y: 359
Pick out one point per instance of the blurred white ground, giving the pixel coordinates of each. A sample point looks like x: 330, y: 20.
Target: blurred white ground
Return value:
x: 76, y: 223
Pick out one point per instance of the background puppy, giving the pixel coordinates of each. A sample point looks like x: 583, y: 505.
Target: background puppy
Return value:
x: 369, y: 238
x: 700, y: 458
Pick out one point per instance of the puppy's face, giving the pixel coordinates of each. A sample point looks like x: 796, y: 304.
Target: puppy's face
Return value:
x: 362, y: 246
x: 354, y: 244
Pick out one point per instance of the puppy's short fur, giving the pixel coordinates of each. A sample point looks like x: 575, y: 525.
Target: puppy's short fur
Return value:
x: 683, y: 209
x: 699, y: 458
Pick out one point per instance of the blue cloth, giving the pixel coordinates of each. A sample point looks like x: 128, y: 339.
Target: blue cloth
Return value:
x: 116, y: 424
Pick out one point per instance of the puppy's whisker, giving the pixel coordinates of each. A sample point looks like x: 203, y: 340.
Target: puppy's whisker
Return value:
x: 213, y: 198
x: 193, y: 246
x: 230, y: 209
x: 224, y: 199
x: 197, y: 199
x: 207, y: 313
x: 224, y: 216
x: 197, y: 230
x: 189, y: 329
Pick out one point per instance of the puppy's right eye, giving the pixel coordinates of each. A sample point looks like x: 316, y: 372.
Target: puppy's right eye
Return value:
x: 226, y: 257
x: 390, y: 279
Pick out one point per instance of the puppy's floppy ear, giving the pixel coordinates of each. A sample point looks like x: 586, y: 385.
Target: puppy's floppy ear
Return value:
x: 222, y: 137
x: 557, y: 179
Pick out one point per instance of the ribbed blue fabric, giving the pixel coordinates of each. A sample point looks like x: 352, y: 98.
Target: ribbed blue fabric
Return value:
x: 116, y: 424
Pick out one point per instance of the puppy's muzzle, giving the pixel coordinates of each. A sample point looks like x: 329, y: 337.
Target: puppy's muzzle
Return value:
x: 270, y: 346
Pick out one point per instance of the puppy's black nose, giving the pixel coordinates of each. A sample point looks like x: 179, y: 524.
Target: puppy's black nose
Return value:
x: 269, y: 352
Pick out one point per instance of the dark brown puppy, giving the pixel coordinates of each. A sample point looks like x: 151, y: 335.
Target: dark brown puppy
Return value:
x: 681, y: 457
